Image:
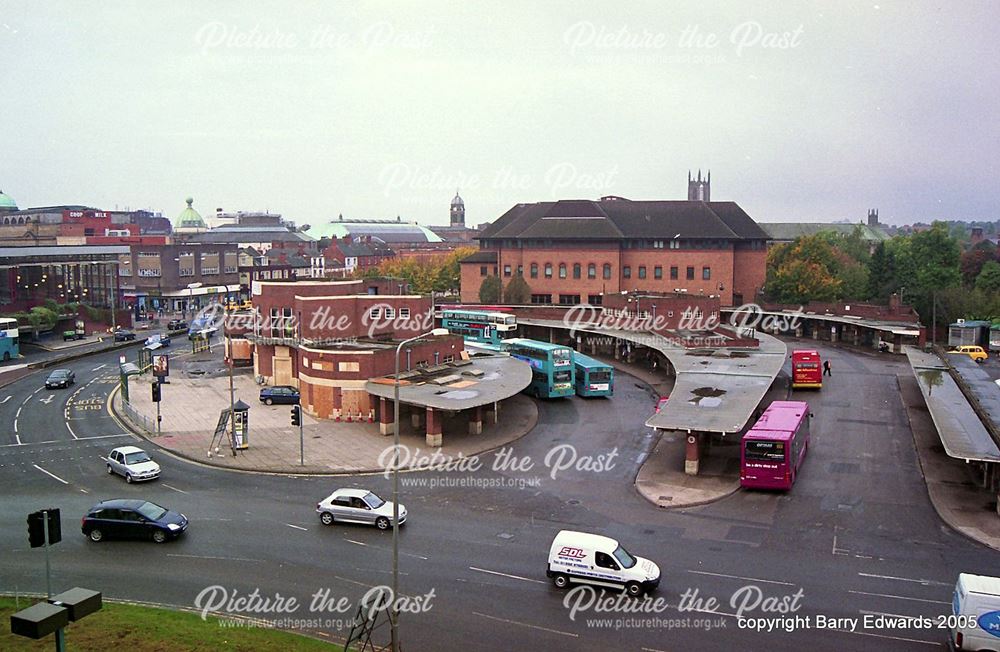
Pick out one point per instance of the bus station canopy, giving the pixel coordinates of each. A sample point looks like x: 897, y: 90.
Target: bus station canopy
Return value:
x: 962, y: 433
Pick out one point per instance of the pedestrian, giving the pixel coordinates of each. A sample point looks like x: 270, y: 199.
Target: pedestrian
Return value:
x: 826, y: 368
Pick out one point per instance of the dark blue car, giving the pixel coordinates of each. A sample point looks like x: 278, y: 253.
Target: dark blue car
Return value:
x: 132, y: 519
x: 279, y: 394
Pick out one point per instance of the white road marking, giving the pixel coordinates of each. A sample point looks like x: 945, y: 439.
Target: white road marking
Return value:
x: 70, y: 428
x: 174, y: 488
x: 47, y: 399
x: 740, y: 577
x: 85, y: 491
x: 357, y: 543
x: 297, y: 527
x: 514, y: 622
x: 899, y: 597
x: 99, y: 367
x: 515, y: 577
x: 6, y: 398
x: 895, y: 638
x: 124, y: 434
x: 49, y: 474
x: 169, y: 554
x: 905, y: 579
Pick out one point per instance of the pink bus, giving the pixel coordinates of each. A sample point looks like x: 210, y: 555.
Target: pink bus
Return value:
x: 772, y: 451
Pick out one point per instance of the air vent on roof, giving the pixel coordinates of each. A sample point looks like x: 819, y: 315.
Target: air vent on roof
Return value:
x: 473, y: 372
x: 446, y: 380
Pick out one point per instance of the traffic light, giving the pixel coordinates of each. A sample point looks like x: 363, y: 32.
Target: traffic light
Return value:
x: 156, y: 392
x: 296, y: 415
x: 36, y: 528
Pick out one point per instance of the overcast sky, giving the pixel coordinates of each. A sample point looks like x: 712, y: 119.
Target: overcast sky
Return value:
x: 803, y: 111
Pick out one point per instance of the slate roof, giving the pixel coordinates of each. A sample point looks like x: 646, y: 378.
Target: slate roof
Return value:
x: 481, y: 257
x: 622, y: 218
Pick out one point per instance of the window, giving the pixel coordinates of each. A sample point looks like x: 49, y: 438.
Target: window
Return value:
x: 404, y: 313
x: 576, y: 270
x: 673, y: 273
x: 657, y: 244
x: 449, y: 358
x: 520, y: 270
x: 642, y: 271
x: 627, y: 271
x: 534, y: 270
x: 690, y: 273
x: 548, y: 270
x: 591, y: 270
x: 675, y: 244
x: 595, y: 299
x: 390, y: 313
x: 506, y: 270
x: 374, y: 313
x: 706, y: 273
x: 604, y: 560
x: 657, y: 272
x: 482, y: 270
x: 421, y: 364
x: 541, y: 298
x: 569, y: 299
x: 607, y: 270
x: 349, y: 366
x: 562, y: 270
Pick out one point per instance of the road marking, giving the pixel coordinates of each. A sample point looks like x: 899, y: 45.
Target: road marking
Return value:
x: 895, y: 638
x: 357, y: 543
x: 170, y: 554
x: 740, y: 577
x: 124, y: 434
x: 99, y: 367
x: 899, y: 597
x: 85, y: 491
x: 905, y: 579
x: 514, y: 622
x: 297, y: 527
x: 515, y: 577
x: 7, y: 398
x: 174, y: 488
x: 49, y: 474
x: 70, y: 428
x: 47, y: 399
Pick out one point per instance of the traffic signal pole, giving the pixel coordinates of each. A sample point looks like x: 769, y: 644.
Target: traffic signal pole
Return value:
x: 48, y: 576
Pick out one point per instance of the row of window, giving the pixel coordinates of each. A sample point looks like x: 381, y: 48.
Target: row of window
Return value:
x: 674, y: 243
x: 567, y: 299
x: 388, y: 313
x: 706, y: 272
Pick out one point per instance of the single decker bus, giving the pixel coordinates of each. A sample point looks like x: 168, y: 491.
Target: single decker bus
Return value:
x: 593, y: 377
x: 551, y: 366
x: 772, y: 451
x: 807, y: 369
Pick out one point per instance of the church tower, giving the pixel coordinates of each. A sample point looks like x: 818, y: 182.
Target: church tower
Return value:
x: 699, y: 190
x: 457, y: 211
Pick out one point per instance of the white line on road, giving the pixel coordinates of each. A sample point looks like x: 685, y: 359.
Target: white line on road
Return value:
x: 47, y: 399
x: 174, y: 488
x: 6, y: 398
x: 357, y: 543
x: 70, y: 428
x: 905, y: 579
x: 170, y: 554
x: 515, y: 577
x: 49, y: 474
x: 895, y: 638
x: 84, y: 491
x: 124, y: 434
x: 99, y: 367
x: 740, y: 577
x: 899, y: 597
x: 514, y: 622
x: 297, y: 527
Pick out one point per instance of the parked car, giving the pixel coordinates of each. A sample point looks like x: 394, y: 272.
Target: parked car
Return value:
x: 357, y: 506
x: 133, y: 463
x: 72, y: 335
x: 279, y: 394
x: 124, y: 336
x: 162, y: 340
x: 60, y: 378
x: 132, y: 519
x: 975, y: 352
x: 177, y: 325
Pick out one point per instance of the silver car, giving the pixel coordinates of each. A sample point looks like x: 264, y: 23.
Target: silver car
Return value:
x: 357, y: 506
x: 133, y: 463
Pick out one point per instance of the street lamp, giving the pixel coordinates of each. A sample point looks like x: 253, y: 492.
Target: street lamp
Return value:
x: 394, y: 616
x: 191, y: 289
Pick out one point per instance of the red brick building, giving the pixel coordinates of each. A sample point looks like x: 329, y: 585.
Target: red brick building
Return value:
x: 329, y: 337
x: 577, y: 251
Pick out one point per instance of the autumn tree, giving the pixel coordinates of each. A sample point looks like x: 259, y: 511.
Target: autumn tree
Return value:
x: 489, y: 291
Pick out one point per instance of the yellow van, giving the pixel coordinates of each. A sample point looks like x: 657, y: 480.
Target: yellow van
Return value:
x: 974, y: 352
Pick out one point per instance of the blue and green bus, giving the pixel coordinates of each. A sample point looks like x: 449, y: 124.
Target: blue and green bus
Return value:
x: 593, y: 377
x: 9, y: 339
x: 479, y: 326
x: 551, y: 366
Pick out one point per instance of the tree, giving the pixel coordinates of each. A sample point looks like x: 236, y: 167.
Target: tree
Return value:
x: 517, y: 291
x: 972, y: 261
x: 882, y: 273
x: 989, y: 278
x: 927, y: 263
x: 489, y: 291
x: 804, y: 270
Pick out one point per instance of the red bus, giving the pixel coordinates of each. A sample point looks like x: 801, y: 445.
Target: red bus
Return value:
x: 773, y: 450
x: 807, y: 369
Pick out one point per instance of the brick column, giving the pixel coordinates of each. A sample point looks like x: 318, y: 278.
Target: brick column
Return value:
x: 476, y: 421
x: 692, y: 453
x: 433, y: 428
x: 385, y: 416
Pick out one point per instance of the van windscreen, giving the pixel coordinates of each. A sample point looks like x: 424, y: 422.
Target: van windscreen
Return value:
x: 624, y: 557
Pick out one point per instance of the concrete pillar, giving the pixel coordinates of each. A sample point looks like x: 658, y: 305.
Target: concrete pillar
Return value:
x: 798, y: 331
x: 433, y: 428
x: 815, y: 331
x: 415, y: 417
x: 692, y: 454
x: 833, y: 333
x: 476, y: 421
x: 385, y: 416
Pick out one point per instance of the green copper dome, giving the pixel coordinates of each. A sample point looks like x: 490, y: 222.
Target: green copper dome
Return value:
x: 189, y: 218
x: 7, y: 202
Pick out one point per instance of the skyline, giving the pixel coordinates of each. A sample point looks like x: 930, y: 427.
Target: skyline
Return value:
x: 804, y: 113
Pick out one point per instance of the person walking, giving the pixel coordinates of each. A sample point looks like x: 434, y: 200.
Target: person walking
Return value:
x: 826, y: 368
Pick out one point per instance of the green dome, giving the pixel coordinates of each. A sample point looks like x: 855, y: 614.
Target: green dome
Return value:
x: 189, y: 218
x: 7, y: 202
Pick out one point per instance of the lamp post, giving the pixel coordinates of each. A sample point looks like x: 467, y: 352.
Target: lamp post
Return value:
x: 394, y: 616
x: 191, y: 288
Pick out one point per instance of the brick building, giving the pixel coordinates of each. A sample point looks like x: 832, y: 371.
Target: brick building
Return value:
x: 577, y: 251
x: 329, y: 337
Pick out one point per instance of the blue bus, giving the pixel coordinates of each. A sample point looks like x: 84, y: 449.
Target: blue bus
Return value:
x: 593, y: 377
x: 479, y: 326
x: 551, y: 366
x: 9, y: 339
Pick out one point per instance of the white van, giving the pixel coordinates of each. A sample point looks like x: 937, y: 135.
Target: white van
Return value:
x: 976, y: 613
x: 593, y: 559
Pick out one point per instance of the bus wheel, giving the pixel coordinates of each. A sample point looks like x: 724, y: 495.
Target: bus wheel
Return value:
x: 536, y: 393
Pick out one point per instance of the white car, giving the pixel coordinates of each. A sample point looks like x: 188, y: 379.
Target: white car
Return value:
x: 357, y: 506
x: 133, y: 463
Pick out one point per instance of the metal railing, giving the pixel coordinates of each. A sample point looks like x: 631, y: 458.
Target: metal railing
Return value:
x: 137, y: 419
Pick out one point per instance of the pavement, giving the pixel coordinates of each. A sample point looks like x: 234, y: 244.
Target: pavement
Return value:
x: 330, y: 447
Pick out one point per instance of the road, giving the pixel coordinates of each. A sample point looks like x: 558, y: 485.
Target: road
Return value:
x: 857, y: 535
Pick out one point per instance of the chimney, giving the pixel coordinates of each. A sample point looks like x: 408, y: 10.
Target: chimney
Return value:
x: 977, y: 235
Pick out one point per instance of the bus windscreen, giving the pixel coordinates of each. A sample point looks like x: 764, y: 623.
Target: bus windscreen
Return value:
x: 765, y: 451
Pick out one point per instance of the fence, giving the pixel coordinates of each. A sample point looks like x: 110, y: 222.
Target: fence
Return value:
x: 137, y: 419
